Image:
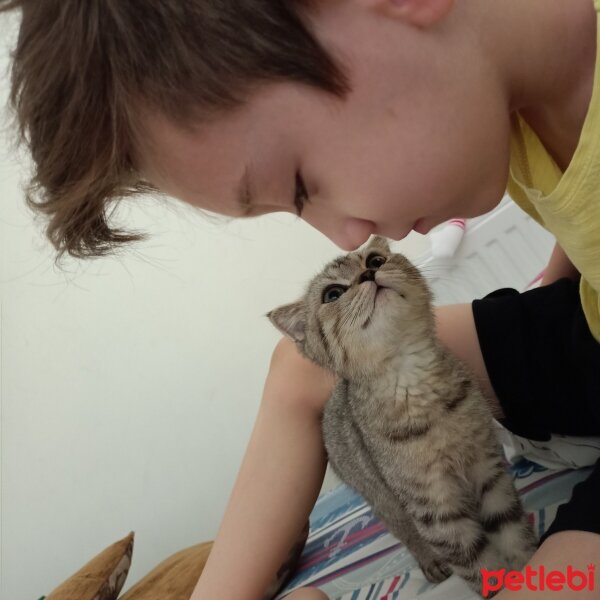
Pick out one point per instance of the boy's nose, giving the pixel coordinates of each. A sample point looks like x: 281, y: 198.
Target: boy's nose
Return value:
x: 347, y: 233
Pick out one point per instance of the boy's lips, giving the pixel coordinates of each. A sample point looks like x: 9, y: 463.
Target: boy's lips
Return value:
x: 422, y: 227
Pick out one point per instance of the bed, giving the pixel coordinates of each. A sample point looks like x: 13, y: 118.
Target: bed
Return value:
x: 349, y: 554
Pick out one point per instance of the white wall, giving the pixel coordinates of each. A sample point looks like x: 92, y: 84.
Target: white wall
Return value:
x: 129, y: 385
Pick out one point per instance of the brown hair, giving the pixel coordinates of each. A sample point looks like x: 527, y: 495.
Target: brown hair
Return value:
x: 82, y: 70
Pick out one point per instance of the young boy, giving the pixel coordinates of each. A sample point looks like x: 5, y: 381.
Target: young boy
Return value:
x: 364, y: 117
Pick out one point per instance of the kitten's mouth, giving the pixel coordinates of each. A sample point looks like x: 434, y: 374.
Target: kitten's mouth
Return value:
x: 378, y: 294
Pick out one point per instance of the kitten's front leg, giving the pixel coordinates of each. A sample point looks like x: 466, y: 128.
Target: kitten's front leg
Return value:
x: 458, y: 536
x: 434, y: 567
x: 505, y: 521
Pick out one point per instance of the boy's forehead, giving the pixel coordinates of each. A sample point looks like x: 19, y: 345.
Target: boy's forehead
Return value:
x: 199, y: 163
x: 238, y: 163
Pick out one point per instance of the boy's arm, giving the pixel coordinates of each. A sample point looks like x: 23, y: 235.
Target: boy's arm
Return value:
x: 559, y: 266
x: 279, y: 480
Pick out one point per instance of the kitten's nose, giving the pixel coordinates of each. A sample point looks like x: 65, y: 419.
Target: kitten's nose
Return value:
x: 368, y: 275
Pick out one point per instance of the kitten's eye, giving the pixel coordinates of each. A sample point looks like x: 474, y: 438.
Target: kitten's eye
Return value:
x: 300, y: 195
x: 333, y: 292
x: 374, y: 261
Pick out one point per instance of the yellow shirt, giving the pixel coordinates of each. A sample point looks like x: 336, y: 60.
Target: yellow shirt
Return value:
x: 566, y: 204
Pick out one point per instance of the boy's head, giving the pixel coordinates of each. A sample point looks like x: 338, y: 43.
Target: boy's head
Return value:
x: 377, y: 115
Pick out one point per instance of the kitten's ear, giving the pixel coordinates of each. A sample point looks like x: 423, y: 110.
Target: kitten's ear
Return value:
x: 290, y: 320
x: 378, y: 243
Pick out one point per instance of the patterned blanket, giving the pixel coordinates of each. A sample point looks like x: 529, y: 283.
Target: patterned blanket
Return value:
x: 350, y: 555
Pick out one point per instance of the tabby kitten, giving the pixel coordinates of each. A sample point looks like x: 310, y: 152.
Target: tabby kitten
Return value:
x: 406, y: 425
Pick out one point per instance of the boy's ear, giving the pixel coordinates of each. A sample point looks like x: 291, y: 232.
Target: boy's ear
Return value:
x: 290, y: 320
x: 420, y: 13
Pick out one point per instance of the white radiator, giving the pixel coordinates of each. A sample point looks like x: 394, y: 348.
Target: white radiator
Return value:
x: 504, y: 248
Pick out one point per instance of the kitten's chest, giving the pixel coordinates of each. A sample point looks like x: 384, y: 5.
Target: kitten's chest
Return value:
x: 397, y: 408
x: 357, y: 433
x: 394, y: 438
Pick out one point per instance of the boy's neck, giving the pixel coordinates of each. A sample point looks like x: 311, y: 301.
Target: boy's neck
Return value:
x: 551, y: 69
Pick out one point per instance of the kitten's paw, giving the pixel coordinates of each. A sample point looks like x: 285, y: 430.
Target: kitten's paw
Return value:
x: 518, y: 560
x: 436, y: 571
x: 520, y: 553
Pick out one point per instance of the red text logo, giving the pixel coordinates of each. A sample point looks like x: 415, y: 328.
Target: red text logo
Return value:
x: 540, y: 579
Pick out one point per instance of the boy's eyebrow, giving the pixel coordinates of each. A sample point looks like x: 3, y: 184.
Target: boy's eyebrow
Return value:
x: 244, y: 195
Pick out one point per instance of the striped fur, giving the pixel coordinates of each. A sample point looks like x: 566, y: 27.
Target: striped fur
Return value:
x: 406, y: 425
